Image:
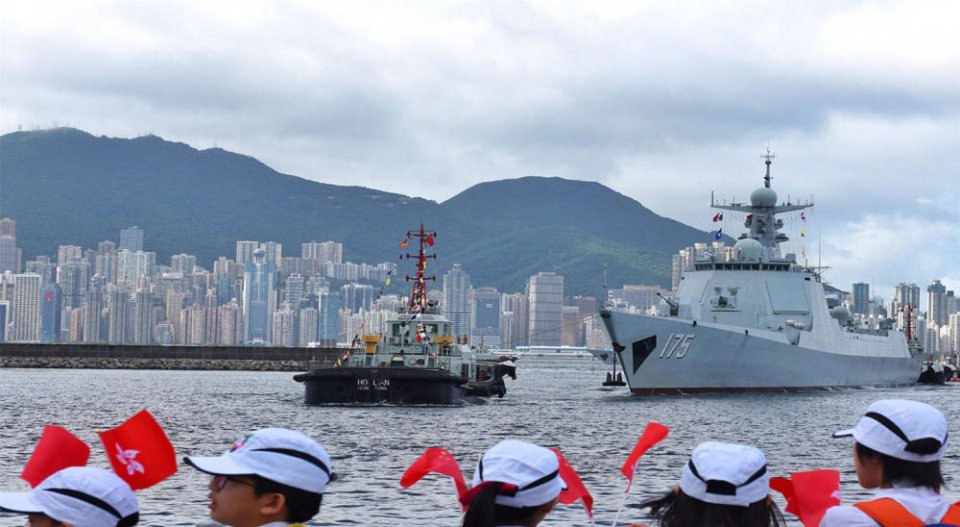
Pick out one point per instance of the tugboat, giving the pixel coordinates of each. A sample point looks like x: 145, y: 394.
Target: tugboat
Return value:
x: 416, y: 361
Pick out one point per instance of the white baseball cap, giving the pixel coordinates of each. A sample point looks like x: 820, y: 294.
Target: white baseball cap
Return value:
x: 532, y: 469
x: 726, y: 474
x: 80, y: 496
x: 278, y: 454
x: 907, y: 430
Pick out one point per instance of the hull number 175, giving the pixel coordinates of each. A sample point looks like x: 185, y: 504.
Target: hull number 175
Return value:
x: 676, y: 346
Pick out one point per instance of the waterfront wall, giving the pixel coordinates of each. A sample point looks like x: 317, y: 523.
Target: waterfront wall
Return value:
x: 146, y: 357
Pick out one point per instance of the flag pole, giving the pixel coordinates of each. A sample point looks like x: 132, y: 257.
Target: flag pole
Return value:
x: 623, y: 501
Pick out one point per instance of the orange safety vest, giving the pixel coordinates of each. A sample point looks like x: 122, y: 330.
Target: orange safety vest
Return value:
x: 889, y: 513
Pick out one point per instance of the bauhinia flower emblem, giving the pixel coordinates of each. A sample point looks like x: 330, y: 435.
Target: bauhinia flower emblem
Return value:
x: 126, y: 457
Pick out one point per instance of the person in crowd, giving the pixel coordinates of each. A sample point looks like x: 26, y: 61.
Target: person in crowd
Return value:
x: 76, y: 497
x: 515, y: 484
x: 898, y: 445
x: 273, y: 476
x: 722, y: 485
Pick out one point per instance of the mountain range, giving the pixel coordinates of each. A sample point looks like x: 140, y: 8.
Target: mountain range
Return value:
x: 64, y: 186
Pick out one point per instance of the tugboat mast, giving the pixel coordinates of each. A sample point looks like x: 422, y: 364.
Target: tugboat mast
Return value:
x: 418, y: 299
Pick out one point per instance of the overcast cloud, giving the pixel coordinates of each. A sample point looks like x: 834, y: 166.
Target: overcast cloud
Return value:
x: 661, y: 101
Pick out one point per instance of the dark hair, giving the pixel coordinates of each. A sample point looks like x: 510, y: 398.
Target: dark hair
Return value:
x: 918, y: 474
x: 676, y: 509
x: 301, y: 504
x: 484, y: 512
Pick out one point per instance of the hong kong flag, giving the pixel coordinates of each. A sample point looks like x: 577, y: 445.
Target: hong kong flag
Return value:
x: 139, y: 451
x: 435, y: 460
x: 57, y: 449
x: 809, y: 494
x: 575, y: 490
x: 653, y: 434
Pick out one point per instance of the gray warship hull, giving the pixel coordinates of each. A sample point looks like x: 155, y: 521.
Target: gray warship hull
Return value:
x: 662, y: 355
x: 749, y: 318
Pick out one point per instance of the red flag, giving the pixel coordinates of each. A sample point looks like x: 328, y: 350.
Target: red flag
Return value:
x: 56, y: 450
x: 576, y: 490
x: 717, y: 217
x: 653, y: 434
x: 785, y: 486
x: 809, y: 494
x: 139, y: 451
x: 403, y: 244
x: 435, y: 460
x: 429, y: 240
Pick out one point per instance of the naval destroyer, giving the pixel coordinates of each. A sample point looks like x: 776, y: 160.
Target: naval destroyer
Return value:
x: 751, y: 319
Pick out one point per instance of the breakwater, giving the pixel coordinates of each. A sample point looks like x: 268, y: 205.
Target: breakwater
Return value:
x: 148, y: 357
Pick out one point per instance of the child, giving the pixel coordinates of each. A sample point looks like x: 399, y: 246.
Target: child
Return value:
x: 273, y: 476
x: 898, y: 447
x: 76, y: 497
x: 515, y: 484
x: 722, y: 485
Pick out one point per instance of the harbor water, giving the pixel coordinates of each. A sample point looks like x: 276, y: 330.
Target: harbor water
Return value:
x: 558, y: 404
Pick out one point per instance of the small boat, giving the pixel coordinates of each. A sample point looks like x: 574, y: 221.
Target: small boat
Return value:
x: 417, y: 360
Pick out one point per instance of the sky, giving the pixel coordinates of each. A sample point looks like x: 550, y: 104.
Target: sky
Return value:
x: 665, y: 102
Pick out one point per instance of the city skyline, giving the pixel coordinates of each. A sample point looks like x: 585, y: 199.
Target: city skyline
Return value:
x: 664, y: 105
x: 112, y: 294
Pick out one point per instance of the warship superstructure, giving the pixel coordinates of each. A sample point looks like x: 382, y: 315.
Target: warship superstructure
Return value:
x: 752, y: 319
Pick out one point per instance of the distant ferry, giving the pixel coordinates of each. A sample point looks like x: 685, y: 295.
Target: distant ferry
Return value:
x: 554, y: 353
x: 754, y: 320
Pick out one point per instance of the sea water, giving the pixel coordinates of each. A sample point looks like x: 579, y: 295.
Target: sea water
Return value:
x: 555, y: 405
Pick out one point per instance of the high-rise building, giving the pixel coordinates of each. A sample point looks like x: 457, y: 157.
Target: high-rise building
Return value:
x: 515, y: 320
x: 230, y: 324
x: 570, y: 329
x: 69, y: 253
x: 937, y: 303
x: 328, y: 318
x: 143, y: 317
x: 131, y: 239
x: 9, y: 260
x: 545, y: 291
x: 106, y: 261
x: 73, y: 277
x: 861, y: 298
x: 245, y: 249
x: 294, y: 287
x: 357, y: 296
x: 327, y: 252
x: 135, y: 268
x: 4, y: 319
x: 44, y: 267
x: 284, y: 330
x: 117, y: 316
x: 50, y: 313
x: 308, y: 325
x: 486, y: 317
x: 183, y: 263
x: 8, y: 227
x: 93, y: 324
x: 26, y: 308
x: 456, y: 301
x: 259, y: 299
x: 907, y: 294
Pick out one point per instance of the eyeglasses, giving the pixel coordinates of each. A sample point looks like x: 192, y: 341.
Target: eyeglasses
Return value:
x: 220, y: 481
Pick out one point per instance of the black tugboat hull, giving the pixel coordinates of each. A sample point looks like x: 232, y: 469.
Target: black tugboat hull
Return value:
x: 382, y: 386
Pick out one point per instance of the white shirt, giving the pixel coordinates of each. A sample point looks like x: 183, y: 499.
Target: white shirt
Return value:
x: 923, y: 502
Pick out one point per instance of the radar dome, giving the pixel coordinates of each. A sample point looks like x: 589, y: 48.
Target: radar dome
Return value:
x: 763, y: 197
x: 748, y: 249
